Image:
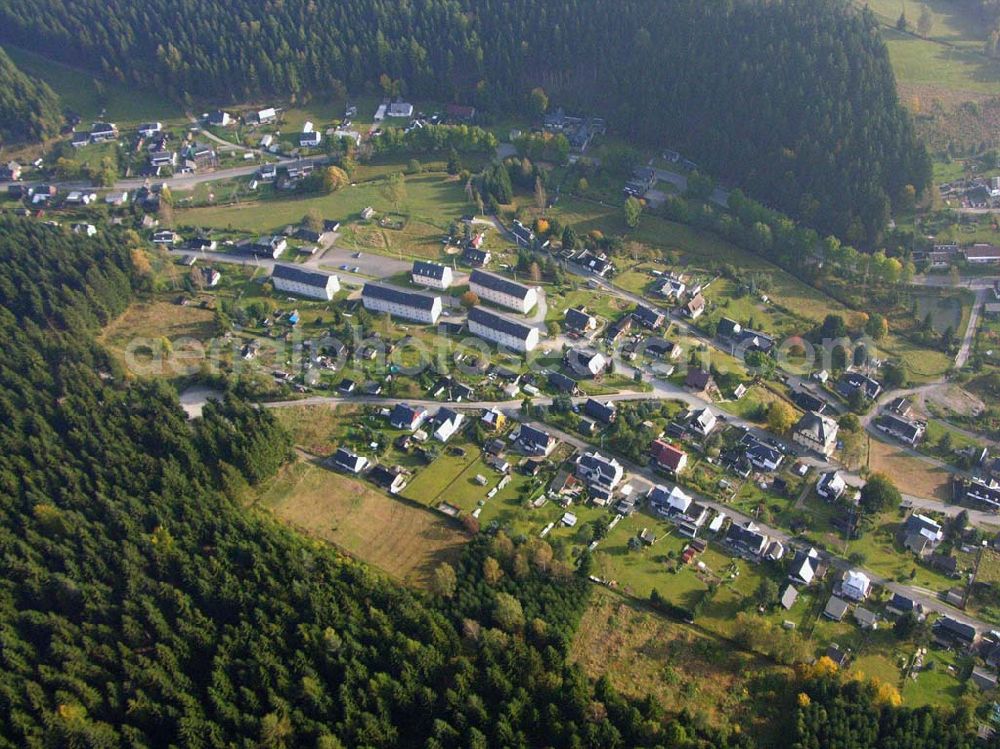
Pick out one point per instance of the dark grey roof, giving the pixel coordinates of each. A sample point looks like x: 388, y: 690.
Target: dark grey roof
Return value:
x: 398, y: 296
x: 500, y: 323
x: 577, y: 319
x: 499, y: 283
x: 562, y: 382
x: 902, y: 603
x: 475, y: 257
x: 904, y: 427
x: 744, y: 537
x: 956, y: 628
x: 648, y: 316
x: 428, y: 270
x: 300, y: 275
x: 726, y: 327
x: 533, y: 437
x: 601, y: 411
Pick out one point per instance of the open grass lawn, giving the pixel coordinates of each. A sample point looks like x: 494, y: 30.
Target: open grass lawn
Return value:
x: 911, y: 475
x: 643, y: 653
x: 601, y: 305
x: 753, y: 405
x: 922, y: 62
x: 405, y: 541
x: 449, y: 472
x: 432, y: 202
x: 79, y: 91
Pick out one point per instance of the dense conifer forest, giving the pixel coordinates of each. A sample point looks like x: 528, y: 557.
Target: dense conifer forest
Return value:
x: 795, y: 101
x: 29, y: 110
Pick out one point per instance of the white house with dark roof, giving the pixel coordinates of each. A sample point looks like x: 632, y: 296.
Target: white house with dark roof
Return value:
x: 400, y: 109
x: 816, y: 432
x: 435, y: 275
x: 578, y: 320
x: 502, y: 291
x: 292, y: 279
x: 448, y: 422
x: 831, y: 485
x: 600, y: 471
x: 534, y: 441
x: 349, y: 462
x: 502, y: 330
x: 856, y: 585
x: 410, y: 305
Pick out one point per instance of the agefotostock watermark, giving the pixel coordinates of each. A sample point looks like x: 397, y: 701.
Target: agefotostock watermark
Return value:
x: 296, y: 353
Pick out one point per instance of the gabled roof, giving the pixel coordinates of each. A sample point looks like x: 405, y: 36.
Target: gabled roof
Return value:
x: 698, y: 378
x: 578, y: 319
x: 474, y: 256
x: 817, y: 427
x: 499, y: 284
x: 500, y: 323
x: 789, y: 596
x: 405, y: 415
x: 728, y: 327
x: 648, y: 316
x: 601, y: 411
x: 561, y: 382
x: 747, y: 537
x: 803, y: 566
x: 531, y: 436
x: 955, y: 628
x: 428, y: 270
x: 399, y: 296
x: 836, y: 608
x: 301, y: 275
x: 905, y: 428
x: 385, y: 476
x: 666, y: 454
x: 344, y: 458
x: 901, y: 603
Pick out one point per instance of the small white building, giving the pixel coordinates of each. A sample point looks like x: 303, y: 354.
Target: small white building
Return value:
x: 410, y: 305
x: 856, y: 585
x: 448, y: 422
x: 435, y: 275
x: 308, y: 283
x: 502, y: 330
x: 503, y: 292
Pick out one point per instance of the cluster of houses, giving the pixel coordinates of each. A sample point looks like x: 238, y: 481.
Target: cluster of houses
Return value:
x: 100, y: 132
x: 947, y: 255
x: 579, y: 131
x: 977, y: 192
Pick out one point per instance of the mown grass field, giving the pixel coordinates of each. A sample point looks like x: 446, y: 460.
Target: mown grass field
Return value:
x: 405, y: 541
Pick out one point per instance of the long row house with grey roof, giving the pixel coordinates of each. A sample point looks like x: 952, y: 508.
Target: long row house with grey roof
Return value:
x: 309, y: 283
x: 502, y: 330
x: 409, y: 305
x: 502, y: 291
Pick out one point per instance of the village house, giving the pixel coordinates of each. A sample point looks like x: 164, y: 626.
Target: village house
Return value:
x: 475, y: 257
x: 81, y: 197
x: 599, y: 471
x: 524, y: 236
x: 804, y: 566
x: 763, y: 457
x: 788, y: 597
x: 836, y: 609
x: 695, y: 307
x: 648, y: 317
x: 218, y: 118
x: 949, y: 632
x: 393, y: 479
x: 10, y: 172
x: 856, y: 585
x: 534, y: 441
x: 584, y: 363
x: 660, y: 348
x: 831, y: 485
x: 349, y: 462
x: 397, y: 302
x: 673, y: 288
x: 747, y: 540
x: 448, y: 422
x: 667, y: 456
x: 503, y: 292
x: 493, y: 419
x: 817, y: 433
x: 435, y: 275
x: 405, y: 416
x: 702, y: 421
x: 981, y: 254
x: 699, y: 381
x: 165, y: 236
x: 399, y: 109
x: 605, y: 413
x: 562, y: 383
x: 900, y: 605
x: 88, y: 230
x: 921, y: 535
x: 578, y: 321
x: 502, y: 330
x: 101, y: 132
x: 903, y: 429
x: 292, y: 279
x: 851, y: 381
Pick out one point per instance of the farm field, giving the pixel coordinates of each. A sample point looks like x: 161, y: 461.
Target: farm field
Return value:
x: 405, y: 541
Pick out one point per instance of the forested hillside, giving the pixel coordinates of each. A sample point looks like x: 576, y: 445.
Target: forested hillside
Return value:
x: 793, y: 100
x: 29, y: 110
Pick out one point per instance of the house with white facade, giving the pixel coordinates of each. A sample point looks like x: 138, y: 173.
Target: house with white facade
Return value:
x: 410, y: 305
x: 502, y: 291
x: 816, y: 432
x: 292, y: 279
x: 435, y: 275
x: 856, y: 585
x: 502, y: 330
x: 599, y: 471
x: 448, y: 422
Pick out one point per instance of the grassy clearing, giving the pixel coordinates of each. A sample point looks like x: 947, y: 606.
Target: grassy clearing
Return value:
x: 885, y: 555
x: 153, y: 321
x: 449, y: 472
x: 402, y: 540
